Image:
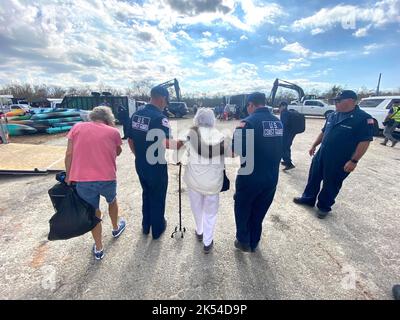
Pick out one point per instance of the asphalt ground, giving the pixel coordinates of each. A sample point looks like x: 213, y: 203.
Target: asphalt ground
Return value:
x: 353, y: 254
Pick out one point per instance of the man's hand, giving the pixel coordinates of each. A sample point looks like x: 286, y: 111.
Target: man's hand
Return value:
x: 349, y: 166
x: 311, y: 152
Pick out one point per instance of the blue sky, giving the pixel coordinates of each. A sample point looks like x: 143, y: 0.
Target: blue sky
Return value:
x: 211, y: 46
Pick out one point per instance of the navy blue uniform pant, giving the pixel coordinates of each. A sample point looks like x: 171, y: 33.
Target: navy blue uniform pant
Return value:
x: 125, y: 125
x: 252, y: 201
x: 287, y: 144
x: 153, y: 203
x: 331, y: 175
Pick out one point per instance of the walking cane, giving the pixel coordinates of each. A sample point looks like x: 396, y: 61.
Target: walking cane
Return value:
x: 179, y: 229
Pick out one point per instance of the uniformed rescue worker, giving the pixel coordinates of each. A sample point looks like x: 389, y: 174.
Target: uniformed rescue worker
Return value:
x: 344, y: 140
x: 123, y: 118
x: 391, y: 122
x: 288, y: 137
x: 149, y: 135
x: 255, y: 190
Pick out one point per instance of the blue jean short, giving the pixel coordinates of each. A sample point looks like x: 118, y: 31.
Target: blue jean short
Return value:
x: 91, y: 191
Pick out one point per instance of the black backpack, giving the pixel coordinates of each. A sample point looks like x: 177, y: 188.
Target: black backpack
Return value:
x: 297, y: 122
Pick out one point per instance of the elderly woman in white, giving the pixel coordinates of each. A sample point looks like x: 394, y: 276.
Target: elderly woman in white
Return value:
x: 204, y: 174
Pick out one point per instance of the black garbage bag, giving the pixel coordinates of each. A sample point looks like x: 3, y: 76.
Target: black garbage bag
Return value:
x: 58, y: 193
x: 74, y: 217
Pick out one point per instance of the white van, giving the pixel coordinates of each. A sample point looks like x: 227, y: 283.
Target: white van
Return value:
x: 378, y: 107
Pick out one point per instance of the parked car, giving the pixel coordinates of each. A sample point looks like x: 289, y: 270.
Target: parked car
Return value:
x: 178, y: 109
x: 313, y: 108
x: 378, y: 107
x: 18, y: 110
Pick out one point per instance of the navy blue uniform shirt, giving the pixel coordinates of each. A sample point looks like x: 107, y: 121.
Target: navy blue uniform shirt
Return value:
x: 343, y: 131
x: 267, y: 149
x: 142, y: 122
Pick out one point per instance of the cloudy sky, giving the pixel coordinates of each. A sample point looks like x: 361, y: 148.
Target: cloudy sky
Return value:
x: 210, y: 46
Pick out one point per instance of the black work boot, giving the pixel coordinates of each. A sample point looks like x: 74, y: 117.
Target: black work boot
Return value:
x: 241, y: 246
x: 208, y: 248
x: 396, y: 292
x: 301, y: 201
x: 289, y: 167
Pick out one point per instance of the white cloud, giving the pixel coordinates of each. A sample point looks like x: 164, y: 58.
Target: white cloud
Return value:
x: 320, y: 73
x: 309, y: 85
x: 327, y: 54
x: 209, y: 47
x: 210, y: 13
x: 297, y: 49
x: 317, y: 31
x: 281, y: 67
x: 349, y: 16
x: 288, y: 66
x: 222, y: 65
x: 278, y: 40
x: 372, y: 47
x: 257, y: 13
x: 284, y: 28
x: 230, y: 78
x: 362, y: 32
x: 65, y: 42
x: 183, y: 35
x: 115, y: 42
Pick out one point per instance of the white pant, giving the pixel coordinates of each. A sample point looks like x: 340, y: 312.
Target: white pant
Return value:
x: 205, y: 208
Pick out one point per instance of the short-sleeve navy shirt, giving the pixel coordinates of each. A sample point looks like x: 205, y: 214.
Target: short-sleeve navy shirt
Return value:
x: 266, y: 151
x: 149, y: 122
x: 343, y: 131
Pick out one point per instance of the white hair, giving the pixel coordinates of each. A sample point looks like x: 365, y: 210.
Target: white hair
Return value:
x: 103, y: 114
x: 204, y: 118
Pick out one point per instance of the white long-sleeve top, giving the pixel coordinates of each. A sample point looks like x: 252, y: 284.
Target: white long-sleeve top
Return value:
x: 203, y: 174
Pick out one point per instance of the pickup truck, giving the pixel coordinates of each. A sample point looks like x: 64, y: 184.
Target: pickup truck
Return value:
x: 313, y: 108
x: 378, y: 107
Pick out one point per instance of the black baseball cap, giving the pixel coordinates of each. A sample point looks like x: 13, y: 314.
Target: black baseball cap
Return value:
x: 346, y: 94
x: 258, y: 98
x: 159, y: 91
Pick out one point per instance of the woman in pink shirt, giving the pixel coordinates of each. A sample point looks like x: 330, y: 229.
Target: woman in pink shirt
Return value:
x: 90, y: 162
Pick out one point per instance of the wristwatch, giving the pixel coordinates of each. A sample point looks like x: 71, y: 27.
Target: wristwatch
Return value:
x: 354, y: 161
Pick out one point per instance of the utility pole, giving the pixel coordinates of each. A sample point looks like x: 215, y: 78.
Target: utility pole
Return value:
x: 379, y: 83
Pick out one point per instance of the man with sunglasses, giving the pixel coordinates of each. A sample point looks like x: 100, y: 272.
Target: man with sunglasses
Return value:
x: 344, y: 140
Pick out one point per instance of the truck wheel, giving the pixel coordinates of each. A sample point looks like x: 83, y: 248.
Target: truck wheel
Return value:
x: 327, y: 114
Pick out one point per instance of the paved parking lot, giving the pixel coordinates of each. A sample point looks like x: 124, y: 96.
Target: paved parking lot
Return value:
x: 353, y: 254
